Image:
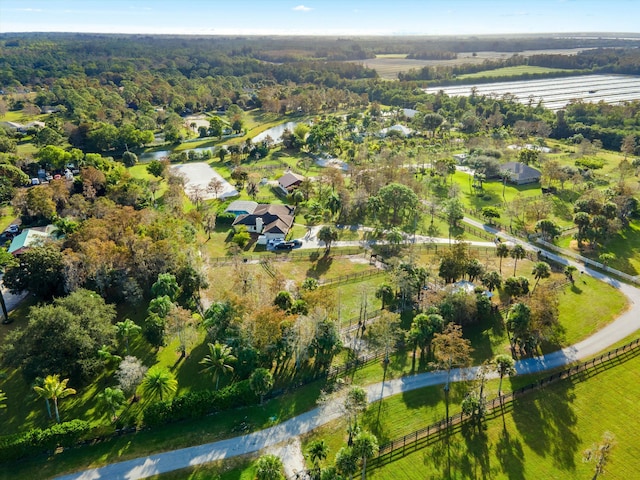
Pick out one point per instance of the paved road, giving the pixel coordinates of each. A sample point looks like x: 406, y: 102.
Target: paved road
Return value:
x: 623, y: 326
x: 10, y: 300
x: 310, y: 240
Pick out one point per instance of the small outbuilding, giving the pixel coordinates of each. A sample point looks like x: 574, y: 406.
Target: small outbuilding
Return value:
x: 290, y: 181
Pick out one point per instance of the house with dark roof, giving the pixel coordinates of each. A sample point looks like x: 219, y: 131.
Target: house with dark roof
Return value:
x: 521, y: 174
x: 290, y: 181
x: 268, y: 220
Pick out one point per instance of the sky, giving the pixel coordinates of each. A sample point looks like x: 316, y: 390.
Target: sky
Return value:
x: 320, y: 17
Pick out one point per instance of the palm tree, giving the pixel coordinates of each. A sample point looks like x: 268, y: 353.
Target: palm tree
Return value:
x: 113, y: 398
x: 261, y: 381
x: 53, y: 389
x: 394, y: 236
x: 327, y: 235
x: 505, y: 175
x: 106, y: 356
x: 517, y: 253
x: 569, y: 270
x: 269, y: 467
x: 504, y: 365
x: 127, y: 329
x: 218, y: 362
x: 540, y: 270
x: 318, y: 452
x: 385, y: 293
x: 492, y: 280
x: 43, y: 392
x: 423, y: 328
x: 3, y: 400
x: 347, y: 461
x: 159, y: 382
x: 502, y: 251
x: 365, y: 446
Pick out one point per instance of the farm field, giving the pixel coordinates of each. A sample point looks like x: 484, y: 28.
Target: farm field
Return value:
x: 389, y: 65
x: 513, y: 71
x: 555, y: 93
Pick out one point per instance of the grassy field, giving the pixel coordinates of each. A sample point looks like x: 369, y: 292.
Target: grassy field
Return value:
x: 511, y: 71
x: 542, y: 435
x: 624, y: 245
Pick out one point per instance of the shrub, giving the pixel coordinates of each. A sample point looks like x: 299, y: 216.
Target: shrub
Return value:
x: 590, y: 163
x: 225, y: 218
x: 37, y: 441
x: 198, y: 404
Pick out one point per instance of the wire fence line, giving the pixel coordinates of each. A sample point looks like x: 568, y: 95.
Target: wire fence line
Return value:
x: 350, y: 277
x: 432, y: 433
x: 590, y: 262
x: 300, y: 255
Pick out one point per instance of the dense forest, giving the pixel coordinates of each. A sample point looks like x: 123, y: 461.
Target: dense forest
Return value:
x: 111, y: 93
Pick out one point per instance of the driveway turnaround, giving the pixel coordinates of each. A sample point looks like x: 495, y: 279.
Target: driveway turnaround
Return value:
x: 143, y: 467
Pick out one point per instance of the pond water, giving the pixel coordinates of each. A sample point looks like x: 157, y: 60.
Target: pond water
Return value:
x: 275, y: 132
x: 160, y: 154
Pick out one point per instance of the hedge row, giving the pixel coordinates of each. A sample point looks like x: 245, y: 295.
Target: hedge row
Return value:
x: 198, y: 404
x: 36, y: 440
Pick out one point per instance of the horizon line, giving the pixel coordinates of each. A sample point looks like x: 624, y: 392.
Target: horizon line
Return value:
x: 615, y: 34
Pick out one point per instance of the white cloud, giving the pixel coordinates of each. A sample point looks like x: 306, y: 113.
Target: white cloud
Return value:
x: 302, y: 8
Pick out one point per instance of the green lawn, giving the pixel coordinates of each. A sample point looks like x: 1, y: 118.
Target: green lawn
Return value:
x: 356, y: 296
x: 7, y: 216
x: 512, y: 71
x: 542, y: 435
x: 625, y: 246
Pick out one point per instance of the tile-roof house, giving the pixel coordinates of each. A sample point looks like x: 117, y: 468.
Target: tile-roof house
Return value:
x: 521, y: 173
x: 272, y: 221
x: 290, y: 181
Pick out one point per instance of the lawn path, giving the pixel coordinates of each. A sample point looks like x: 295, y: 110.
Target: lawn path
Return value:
x: 143, y: 467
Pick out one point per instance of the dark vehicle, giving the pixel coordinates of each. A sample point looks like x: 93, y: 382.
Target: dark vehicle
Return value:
x: 296, y: 243
x: 287, y: 246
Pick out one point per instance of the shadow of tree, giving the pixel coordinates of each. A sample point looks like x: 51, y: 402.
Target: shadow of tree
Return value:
x: 321, y: 267
x: 476, y: 464
x: 547, y: 423
x: 510, y: 455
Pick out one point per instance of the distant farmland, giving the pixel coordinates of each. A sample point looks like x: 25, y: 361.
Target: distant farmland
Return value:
x: 388, y: 66
x: 556, y: 93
